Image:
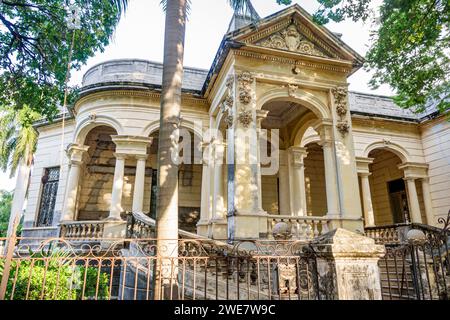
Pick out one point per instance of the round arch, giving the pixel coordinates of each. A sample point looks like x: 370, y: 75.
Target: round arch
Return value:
x: 86, y: 125
x: 301, y: 97
x: 393, y: 147
x: 300, y: 130
x: 154, y: 126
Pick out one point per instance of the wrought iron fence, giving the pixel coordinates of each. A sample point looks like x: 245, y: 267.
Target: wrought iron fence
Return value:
x: 419, y: 266
x: 137, y: 269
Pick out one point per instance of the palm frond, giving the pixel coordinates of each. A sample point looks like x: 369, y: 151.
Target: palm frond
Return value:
x: 244, y: 7
x: 163, y: 4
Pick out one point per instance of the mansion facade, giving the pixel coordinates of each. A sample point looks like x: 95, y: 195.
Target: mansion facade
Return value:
x: 346, y: 159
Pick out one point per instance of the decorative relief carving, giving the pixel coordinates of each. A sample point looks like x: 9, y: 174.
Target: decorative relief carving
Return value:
x: 292, y: 89
x: 229, y: 101
x: 245, y: 118
x: 93, y: 117
x: 290, y: 39
x: 340, y: 101
x: 245, y: 80
x: 230, y: 82
x: 245, y: 97
x: 343, y: 127
x: 229, y: 119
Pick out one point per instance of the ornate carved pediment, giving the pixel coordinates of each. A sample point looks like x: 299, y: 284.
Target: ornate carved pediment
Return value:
x: 290, y: 39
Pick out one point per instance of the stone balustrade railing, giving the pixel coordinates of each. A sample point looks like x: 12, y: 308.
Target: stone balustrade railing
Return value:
x: 302, y: 228
x: 385, y: 234
x: 82, y: 229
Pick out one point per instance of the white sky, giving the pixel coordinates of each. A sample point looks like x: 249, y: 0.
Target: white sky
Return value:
x: 140, y: 34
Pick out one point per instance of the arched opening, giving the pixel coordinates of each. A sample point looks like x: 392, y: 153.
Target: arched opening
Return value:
x: 97, y: 177
x: 189, y: 182
x: 390, y: 199
x: 284, y: 192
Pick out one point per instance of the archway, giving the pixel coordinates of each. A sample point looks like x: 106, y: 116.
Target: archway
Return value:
x: 284, y: 192
x: 389, y: 192
x: 189, y: 181
x: 97, y: 177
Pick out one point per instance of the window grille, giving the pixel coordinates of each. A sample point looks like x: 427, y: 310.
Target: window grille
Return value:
x: 49, y: 181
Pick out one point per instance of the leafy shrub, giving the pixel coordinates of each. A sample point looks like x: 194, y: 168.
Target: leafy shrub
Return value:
x: 58, y: 281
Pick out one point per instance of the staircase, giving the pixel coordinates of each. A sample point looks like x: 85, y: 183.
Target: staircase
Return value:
x: 396, y: 279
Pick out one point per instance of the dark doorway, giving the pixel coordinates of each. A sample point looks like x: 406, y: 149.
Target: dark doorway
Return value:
x: 398, y: 201
x: 154, y: 193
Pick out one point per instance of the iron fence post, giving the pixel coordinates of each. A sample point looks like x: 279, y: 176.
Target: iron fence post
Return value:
x: 11, y: 243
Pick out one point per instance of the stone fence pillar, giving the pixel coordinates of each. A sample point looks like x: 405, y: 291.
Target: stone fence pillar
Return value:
x: 348, y: 262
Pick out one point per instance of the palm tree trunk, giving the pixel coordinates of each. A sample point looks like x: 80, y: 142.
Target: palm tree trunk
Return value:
x: 167, y: 200
x: 20, y: 191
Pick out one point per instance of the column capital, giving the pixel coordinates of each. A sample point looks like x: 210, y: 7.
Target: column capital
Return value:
x: 132, y: 144
x: 260, y: 116
x: 364, y: 174
x: 120, y: 156
x: 75, y: 152
x: 75, y: 162
x: 141, y: 156
x: 297, y: 155
x: 325, y: 130
x: 362, y: 164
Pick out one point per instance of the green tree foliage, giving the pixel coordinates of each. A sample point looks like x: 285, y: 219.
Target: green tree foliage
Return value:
x: 5, y: 211
x: 35, y: 43
x: 410, y: 47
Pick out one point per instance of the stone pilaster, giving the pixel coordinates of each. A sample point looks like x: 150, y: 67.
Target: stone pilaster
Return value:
x: 246, y: 220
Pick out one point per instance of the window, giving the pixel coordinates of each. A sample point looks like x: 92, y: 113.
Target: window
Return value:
x: 49, y: 182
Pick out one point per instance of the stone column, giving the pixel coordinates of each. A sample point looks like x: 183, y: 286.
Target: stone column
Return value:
x: 367, y: 200
x: 284, y: 191
x: 427, y: 201
x: 219, y: 212
x: 139, y: 183
x: 297, y: 180
x: 219, y: 216
x: 75, y: 153
x: 327, y: 142
x: 414, y: 207
x: 116, y: 196
x: 347, y: 265
x: 206, y: 208
x: 260, y: 116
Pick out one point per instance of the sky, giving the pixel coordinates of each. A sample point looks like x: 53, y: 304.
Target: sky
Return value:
x: 140, y: 34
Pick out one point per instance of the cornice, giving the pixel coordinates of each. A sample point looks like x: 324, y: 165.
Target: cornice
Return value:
x: 301, y: 61
x: 138, y: 94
